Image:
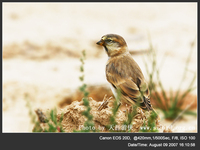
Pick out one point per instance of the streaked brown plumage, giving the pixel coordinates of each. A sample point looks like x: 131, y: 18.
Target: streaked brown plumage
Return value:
x: 123, y: 73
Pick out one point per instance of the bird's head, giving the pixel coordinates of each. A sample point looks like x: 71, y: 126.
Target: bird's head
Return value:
x: 114, y: 44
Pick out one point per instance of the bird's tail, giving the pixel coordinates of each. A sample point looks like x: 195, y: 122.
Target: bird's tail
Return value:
x: 149, y: 106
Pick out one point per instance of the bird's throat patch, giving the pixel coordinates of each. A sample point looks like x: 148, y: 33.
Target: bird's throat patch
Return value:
x: 106, y: 49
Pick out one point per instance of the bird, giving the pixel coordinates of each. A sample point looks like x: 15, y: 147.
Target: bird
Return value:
x: 124, y: 74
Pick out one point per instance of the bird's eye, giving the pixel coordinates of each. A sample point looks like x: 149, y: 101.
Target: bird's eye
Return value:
x: 108, y: 40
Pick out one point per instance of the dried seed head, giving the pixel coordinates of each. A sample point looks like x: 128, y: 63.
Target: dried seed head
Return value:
x: 41, y: 116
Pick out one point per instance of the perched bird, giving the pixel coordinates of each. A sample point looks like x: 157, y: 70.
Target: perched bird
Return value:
x: 124, y: 74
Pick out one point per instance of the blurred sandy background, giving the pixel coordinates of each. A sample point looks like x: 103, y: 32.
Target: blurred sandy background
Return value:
x: 42, y: 44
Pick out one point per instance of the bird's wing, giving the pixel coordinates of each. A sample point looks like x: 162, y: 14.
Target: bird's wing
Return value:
x: 129, y: 88
x: 126, y: 86
x: 130, y: 92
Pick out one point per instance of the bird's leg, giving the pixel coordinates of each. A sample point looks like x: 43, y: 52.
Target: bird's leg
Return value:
x: 129, y: 110
x: 125, y: 110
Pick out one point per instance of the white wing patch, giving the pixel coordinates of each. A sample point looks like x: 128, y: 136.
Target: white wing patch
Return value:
x: 114, y: 91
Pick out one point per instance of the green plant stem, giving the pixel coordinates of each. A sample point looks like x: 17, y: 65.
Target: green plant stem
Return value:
x: 86, y: 113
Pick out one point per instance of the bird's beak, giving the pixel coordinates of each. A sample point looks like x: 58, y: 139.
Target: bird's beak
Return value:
x: 101, y: 42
